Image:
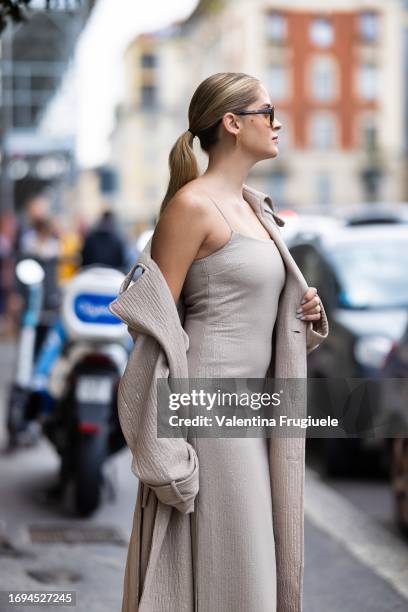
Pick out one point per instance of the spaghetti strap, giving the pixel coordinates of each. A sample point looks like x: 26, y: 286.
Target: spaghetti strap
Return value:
x: 232, y: 231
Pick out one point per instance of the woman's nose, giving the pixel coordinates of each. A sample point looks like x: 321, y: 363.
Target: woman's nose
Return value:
x: 277, y: 125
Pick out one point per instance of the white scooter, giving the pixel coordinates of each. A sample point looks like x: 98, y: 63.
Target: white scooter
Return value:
x: 84, y: 425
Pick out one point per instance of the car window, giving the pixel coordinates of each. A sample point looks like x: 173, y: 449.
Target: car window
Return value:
x: 372, y: 274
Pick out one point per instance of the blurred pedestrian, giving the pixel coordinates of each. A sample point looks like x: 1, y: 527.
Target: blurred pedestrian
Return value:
x: 40, y: 241
x: 71, y: 244
x: 105, y: 245
x: 7, y: 235
x: 36, y: 208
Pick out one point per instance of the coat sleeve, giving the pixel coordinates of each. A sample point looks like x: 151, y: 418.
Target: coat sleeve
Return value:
x: 317, y: 331
x: 169, y: 466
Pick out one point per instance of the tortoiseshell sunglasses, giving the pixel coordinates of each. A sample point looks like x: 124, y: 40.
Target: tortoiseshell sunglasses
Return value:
x: 262, y: 111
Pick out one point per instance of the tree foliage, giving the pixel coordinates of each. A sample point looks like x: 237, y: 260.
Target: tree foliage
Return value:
x: 12, y: 10
x: 16, y: 11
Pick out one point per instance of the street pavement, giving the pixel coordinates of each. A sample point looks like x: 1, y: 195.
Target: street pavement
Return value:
x: 355, y: 559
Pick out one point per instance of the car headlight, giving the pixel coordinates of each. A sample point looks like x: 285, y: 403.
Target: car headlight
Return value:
x: 371, y: 351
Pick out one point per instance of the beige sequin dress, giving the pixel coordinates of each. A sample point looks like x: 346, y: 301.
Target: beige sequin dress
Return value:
x: 224, y: 294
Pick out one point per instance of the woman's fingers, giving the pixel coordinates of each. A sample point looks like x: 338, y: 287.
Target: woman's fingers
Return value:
x: 310, y: 293
x: 310, y: 309
x: 314, y: 305
x: 311, y: 317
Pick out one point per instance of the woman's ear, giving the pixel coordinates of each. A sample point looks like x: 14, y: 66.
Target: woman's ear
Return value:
x: 231, y: 124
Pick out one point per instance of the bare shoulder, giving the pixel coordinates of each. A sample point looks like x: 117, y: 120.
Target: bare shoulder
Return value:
x: 186, y: 214
x: 190, y: 201
x: 182, y: 228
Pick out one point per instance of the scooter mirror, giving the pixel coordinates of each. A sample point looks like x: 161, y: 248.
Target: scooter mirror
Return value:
x: 29, y: 272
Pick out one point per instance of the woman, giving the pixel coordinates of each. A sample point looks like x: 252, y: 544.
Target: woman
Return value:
x: 217, y: 246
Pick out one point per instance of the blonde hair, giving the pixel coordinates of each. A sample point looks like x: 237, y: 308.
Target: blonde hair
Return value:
x: 216, y: 95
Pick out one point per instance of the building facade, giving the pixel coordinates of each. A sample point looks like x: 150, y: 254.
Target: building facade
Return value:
x: 336, y: 77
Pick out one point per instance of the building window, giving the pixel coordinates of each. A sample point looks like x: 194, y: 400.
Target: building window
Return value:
x: 108, y: 180
x: 368, y: 81
x: 371, y: 180
x: 276, y: 27
x: 369, y: 26
x: 277, y: 82
x: 148, y: 60
x: 323, y: 78
x: 148, y: 95
x: 324, y: 189
x: 322, y: 131
x: 321, y: 32
x: 369, y: 134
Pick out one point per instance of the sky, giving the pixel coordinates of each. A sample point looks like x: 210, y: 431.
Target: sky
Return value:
x: 94, y: 82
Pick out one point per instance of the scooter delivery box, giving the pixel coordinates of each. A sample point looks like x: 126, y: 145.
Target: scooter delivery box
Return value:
x: 85, y: 310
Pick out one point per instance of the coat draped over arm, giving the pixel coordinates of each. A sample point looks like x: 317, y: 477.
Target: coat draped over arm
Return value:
x: 169, y: 466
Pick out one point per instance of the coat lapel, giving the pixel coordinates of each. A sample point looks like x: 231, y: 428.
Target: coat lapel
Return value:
x: 296, y: 285
x: 263, y: 208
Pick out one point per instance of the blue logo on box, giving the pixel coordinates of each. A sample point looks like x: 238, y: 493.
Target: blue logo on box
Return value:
x: 93, y: 308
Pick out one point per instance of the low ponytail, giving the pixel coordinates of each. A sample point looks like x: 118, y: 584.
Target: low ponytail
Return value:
x: 183, y: 166
x: 218, y: 94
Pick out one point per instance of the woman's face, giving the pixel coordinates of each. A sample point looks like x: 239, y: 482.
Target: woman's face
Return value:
x: 257, y: 137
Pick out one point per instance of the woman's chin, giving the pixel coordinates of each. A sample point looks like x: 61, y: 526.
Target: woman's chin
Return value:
x: 269, y: 153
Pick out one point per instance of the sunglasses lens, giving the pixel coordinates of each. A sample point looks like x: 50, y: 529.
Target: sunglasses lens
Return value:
x: 272, y: 116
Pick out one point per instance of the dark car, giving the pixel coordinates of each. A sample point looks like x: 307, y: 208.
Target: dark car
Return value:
x: 361, y: 272
x: 395, y: 409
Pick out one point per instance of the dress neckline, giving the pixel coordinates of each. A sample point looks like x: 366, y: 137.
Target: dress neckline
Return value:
x: 252, y: 237
x: 233, y: 235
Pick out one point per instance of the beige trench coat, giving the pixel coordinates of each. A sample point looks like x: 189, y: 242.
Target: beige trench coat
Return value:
x: 159, y: 575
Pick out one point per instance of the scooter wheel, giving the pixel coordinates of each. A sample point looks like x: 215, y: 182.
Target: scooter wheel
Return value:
x: 91, y: 454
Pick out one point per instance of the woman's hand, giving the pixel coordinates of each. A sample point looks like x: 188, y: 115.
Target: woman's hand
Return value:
x: 309, y: 309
